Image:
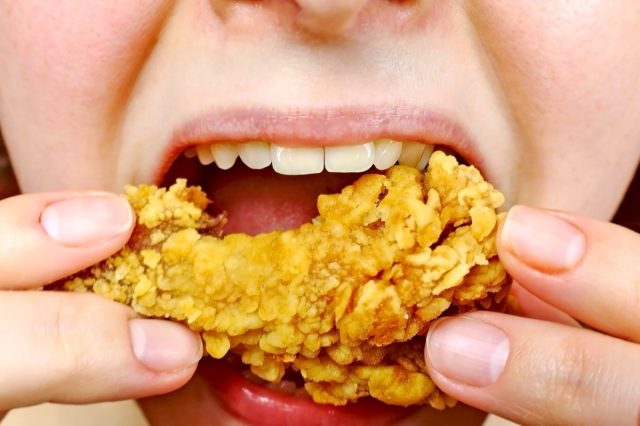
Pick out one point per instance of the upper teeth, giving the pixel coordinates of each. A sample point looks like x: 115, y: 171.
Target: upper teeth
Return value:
x: 256, y: 155
x: 349, y: 158
x: 297, y: 161
x: 382, y: 154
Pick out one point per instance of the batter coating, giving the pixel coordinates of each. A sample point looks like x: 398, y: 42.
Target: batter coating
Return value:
x: 341, y: 299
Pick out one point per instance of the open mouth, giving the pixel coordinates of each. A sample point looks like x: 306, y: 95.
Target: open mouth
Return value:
x: 262, y: 187
x: 257, y: 402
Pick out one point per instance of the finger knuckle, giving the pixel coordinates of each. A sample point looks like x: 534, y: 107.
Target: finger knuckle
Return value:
x: 68, y: 335
x: 572, y: 376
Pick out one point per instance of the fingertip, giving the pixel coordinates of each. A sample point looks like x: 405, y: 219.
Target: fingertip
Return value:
x: 159, y: 383
x: 87, y: 219
x: 66, y: 232
x: 467, y: 350
x: 542, y: 240
x: 164, y: 346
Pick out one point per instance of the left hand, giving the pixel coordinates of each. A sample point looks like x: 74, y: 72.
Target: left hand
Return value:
x: 552, y: 370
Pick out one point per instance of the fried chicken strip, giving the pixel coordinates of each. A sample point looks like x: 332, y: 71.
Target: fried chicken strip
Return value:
x: 341, y: 300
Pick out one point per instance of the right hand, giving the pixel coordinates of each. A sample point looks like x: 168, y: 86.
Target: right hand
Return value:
x: 76, y: 348
x: 558, y: 370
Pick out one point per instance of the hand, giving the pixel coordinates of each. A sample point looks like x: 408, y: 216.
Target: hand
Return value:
x: 542, y: 372
x: 76, y: 348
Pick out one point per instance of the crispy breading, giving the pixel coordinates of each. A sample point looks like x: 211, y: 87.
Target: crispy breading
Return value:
x: 340, y: 299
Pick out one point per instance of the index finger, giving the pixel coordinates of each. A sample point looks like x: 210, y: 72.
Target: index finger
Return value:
x: 586, y: 268
x: 47, y: 236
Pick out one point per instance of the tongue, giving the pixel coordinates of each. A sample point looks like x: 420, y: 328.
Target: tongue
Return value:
x: 259, y: 201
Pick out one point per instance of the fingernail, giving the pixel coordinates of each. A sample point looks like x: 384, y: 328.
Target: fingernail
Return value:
x: 163, y: 345
x: 542, y: 240
x: 467, y: 351
x: 86, y: 220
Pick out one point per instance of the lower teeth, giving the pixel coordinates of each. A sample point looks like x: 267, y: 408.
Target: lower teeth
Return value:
x: 285, y: 386
x: 290, y: 387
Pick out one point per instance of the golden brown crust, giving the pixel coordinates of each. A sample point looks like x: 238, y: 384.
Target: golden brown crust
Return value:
x: 343, y: 299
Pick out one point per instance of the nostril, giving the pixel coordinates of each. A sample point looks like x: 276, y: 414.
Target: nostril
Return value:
x: 329, y: 16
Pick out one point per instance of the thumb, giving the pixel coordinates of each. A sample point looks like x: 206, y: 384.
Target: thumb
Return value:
x: 79, y: 348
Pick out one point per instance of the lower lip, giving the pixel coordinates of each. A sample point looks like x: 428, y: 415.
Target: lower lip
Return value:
x: 257, y: 405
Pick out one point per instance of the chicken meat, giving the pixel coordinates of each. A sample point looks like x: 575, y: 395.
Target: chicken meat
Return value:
x: 343, y: 300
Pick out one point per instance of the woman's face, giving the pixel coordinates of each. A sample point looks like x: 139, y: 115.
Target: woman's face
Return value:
x: 543, y: 96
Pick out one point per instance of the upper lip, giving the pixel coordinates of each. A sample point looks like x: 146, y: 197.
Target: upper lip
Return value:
x: 320, y: 127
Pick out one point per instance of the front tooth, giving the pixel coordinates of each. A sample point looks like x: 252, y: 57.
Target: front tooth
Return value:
x: 351, y: 158
x: 225, y: 155
x: 256, y: 155
x: 205, y: 155
x: 387, y: 153
x: 286, y: 386
x: 297, y: 161
x: 411, y: 153
x: 426, y: 155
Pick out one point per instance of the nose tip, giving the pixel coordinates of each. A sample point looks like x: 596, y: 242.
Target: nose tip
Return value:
x: 329, y: 16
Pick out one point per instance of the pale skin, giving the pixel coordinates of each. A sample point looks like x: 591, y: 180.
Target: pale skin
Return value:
x: 548, y: 91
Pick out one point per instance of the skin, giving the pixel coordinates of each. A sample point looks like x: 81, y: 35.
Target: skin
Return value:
x: 538, y: 86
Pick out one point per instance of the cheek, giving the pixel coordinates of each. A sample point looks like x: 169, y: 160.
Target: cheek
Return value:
x: 580, y: 52
x: 67, y: 69
x: 79, y: 49
x: 570, y: 71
